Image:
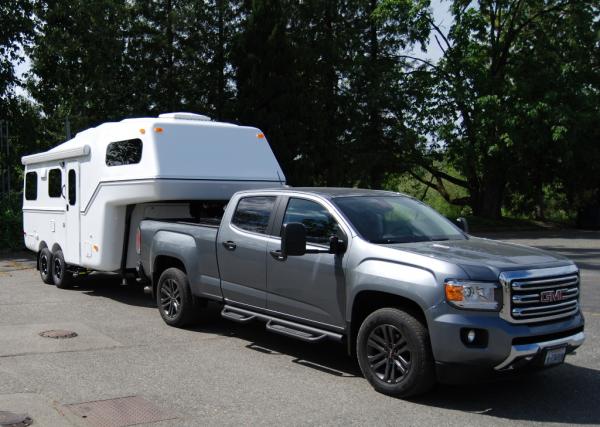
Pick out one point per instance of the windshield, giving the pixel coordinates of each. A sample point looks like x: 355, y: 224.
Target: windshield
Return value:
x: 396, y: 219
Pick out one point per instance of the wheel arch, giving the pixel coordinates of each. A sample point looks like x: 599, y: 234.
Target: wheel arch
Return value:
x: 163, y: 262
x: 366, y: 302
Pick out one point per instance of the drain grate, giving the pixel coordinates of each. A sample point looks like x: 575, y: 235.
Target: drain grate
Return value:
x: 119, y: 412
x: 58, y: 334
x: 9, y: 419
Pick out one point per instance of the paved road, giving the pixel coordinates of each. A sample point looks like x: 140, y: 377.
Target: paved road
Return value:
x: 227, y: 374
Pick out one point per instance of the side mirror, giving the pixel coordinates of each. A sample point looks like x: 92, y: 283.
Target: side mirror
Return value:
x: 336, y: 246
x: 293, y: 239
x: 462, y: 224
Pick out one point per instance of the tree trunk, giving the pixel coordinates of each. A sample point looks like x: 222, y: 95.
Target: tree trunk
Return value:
x: 486, y: 201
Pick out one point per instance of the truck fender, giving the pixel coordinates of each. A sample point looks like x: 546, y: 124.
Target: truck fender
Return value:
x: 412, y: 283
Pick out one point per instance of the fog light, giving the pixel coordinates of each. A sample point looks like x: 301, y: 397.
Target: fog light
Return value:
x: 474, y: 337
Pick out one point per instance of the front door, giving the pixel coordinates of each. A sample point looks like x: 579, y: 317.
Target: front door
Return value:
x: 242, y: 249
x: 72, y: 219
x: 312, y: 286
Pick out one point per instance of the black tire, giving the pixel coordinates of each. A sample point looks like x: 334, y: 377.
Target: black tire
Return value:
x: 174, y: 299
x: 61, y: 277
x: 401, y: 365
x: 45, y: 266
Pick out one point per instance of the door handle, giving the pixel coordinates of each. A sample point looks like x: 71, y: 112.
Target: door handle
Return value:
x: 277, y: 255
x: 229, y: 245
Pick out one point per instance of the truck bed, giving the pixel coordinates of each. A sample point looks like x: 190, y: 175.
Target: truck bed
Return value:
x: 188, y: 239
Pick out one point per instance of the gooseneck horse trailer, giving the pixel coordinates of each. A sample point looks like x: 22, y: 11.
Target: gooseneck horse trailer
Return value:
x: 83, y: 199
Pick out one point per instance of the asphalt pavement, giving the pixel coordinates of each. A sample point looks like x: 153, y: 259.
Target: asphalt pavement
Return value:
x: 222, y: 373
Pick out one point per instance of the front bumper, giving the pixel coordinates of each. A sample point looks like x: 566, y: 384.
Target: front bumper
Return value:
x: 509, y: 347
x: 528, y: 352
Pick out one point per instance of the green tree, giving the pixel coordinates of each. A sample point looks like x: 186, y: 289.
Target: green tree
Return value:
x: 77, y: 61
x: 15, y: 28
x: 475, y: 119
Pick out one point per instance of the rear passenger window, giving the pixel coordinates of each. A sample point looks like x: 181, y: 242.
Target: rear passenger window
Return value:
x: 31, y: 186
x: 253, y: 213
x: 55, y: 183
x: 127, y: 152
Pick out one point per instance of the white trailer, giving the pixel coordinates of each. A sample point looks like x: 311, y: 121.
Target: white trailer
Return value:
x: 83, y: 199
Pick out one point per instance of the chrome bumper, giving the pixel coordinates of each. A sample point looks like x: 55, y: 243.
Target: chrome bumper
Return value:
x: 531, y: 350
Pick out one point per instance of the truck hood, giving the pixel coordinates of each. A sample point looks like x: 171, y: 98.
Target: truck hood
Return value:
x: 484, y: 259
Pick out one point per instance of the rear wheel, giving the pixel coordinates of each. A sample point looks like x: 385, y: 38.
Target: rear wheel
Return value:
x: 174, y: 299
x: 394, y: 353
x: 60, y: 275
x: 45, y: 266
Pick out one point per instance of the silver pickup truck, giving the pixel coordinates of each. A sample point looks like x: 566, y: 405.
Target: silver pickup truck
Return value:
x: 412, y: 295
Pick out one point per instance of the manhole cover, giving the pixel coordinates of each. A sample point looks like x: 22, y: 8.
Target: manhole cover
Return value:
x: 58, y: 334
x: 9, y: 419
x: 119, y: 412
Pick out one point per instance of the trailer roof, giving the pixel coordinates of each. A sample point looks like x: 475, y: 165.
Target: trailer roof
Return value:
x: 77, y: 146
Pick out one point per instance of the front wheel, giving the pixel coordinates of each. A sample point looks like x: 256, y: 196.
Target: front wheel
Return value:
x: 174, y: 298
x: 394, y: 353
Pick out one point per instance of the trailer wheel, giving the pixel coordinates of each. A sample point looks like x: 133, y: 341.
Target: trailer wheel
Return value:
x: 60, y: 275
x: 45, y: 266
x: 174, y: 299
x: 394, y: 353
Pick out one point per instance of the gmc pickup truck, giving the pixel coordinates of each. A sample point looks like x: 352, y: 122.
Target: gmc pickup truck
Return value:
x: 413, y: 296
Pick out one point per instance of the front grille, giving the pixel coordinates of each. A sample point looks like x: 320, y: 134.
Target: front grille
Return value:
x: 536, y: 297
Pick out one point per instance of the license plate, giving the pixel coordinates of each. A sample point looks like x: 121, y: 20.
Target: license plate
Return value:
x: 554, y: 356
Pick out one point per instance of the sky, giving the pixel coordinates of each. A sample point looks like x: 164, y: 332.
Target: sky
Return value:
x: 441, y: 16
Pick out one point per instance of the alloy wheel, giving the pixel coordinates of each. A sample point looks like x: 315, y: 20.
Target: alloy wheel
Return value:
x: 388, y: 354
x: 170, y: 298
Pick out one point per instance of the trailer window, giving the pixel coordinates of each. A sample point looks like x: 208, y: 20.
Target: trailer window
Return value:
x: 54, y: 183
x: 253, y: 213
x: 126, y: 152
x: 31, y: 186
x: 72, y: 187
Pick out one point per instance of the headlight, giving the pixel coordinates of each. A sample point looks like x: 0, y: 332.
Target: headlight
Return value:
x: 473, y: 295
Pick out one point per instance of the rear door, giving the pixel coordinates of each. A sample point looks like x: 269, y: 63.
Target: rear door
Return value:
x: 72, y: 219
x: 242, y: 250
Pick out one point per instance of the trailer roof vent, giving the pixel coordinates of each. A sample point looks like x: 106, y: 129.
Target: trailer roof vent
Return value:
x: 185, y: 116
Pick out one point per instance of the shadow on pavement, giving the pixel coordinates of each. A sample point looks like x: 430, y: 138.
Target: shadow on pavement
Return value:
x: 109, y: 286
x: 565, y: 394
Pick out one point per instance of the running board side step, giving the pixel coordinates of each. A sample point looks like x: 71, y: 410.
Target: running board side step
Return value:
x: 280, y: 326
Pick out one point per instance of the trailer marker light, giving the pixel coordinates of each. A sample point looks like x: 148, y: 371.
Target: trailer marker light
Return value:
x: 260, y: 135
x: 158, y: 130
x: 142, y: 131
x: 95, y: 248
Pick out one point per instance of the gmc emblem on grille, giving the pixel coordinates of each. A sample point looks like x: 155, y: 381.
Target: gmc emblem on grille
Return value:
x: 552, y: 296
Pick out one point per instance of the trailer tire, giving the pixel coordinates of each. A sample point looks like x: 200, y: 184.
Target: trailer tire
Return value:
x: 174, y: 299
x: 61, y: 277
x: 394, y: 353
x: 45, y: 266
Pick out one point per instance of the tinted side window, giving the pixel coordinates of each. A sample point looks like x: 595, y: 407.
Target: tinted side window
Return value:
x: 253, y: 213
x: 72, y: 187
x: 319, y: 223
x: 31, y: 186
x: 125, y: 152
x: 54, y: 183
